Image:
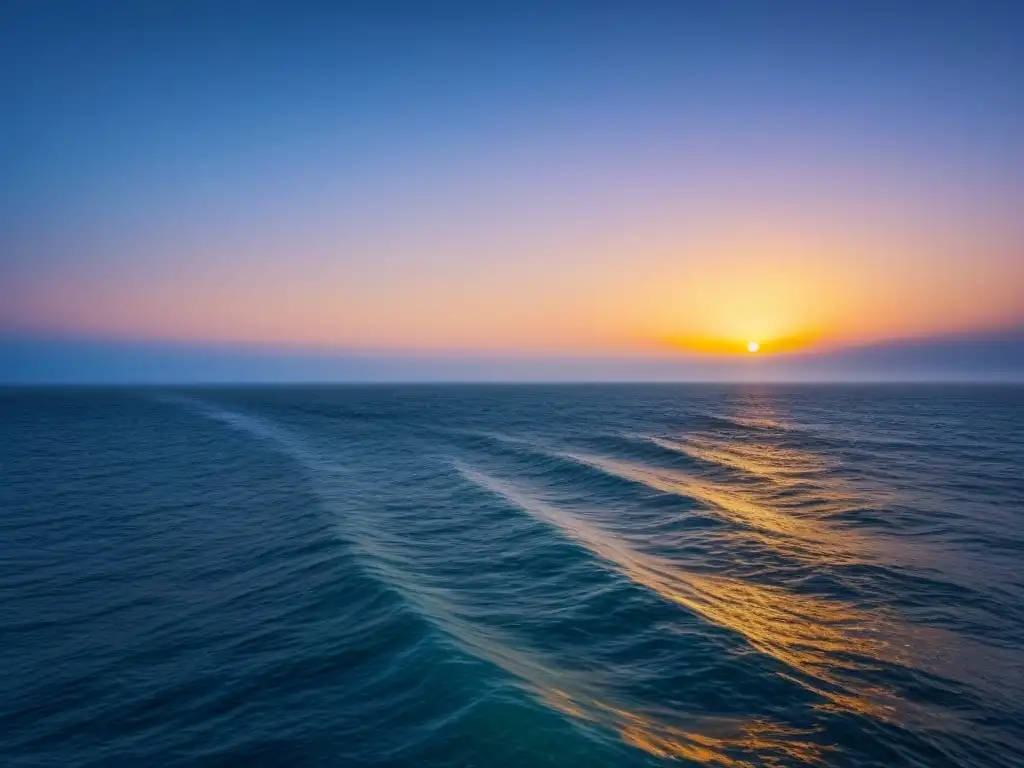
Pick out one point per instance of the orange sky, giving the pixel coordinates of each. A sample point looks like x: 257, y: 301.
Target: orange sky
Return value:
x: 663, y: 289
x: 636, y: 184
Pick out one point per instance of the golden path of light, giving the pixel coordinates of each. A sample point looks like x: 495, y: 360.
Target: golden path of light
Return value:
x: 779, y: 465
x: 816, y: 640
x: 789, y: 533
x: 721, y: 745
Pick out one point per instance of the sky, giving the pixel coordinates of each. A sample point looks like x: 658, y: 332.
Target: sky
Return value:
x: 511, y: 190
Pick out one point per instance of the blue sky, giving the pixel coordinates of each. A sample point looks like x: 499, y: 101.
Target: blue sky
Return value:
x: 529, y: 183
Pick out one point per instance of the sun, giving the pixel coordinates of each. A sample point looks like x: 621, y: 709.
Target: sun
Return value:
x: 753, y: 346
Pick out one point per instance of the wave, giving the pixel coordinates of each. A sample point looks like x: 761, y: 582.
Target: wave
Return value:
x: 722, y: 742
x: 737, y: 508
x: 815, y: 639
x: 760, y: 460
x: 836, y: 652
x: 261, y: 428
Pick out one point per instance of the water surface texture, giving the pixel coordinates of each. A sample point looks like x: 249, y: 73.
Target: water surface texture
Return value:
x: 513, y: 576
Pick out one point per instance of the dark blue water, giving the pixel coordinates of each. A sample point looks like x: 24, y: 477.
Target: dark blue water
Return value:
x: 512, y: 576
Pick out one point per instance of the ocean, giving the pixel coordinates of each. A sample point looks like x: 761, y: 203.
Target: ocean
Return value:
x: 464, y: 575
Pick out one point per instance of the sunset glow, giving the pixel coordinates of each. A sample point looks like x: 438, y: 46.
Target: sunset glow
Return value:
x: 616, y: 206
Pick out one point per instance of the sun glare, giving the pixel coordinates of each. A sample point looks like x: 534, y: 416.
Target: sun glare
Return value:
x: 753, y: 346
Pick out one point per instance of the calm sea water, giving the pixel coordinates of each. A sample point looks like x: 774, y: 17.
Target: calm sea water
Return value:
x: 512, y: 576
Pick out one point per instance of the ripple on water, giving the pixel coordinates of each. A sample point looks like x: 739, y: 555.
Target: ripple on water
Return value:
x: 510, y: 576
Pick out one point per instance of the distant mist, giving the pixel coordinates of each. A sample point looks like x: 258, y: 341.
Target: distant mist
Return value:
x: 995, y: 357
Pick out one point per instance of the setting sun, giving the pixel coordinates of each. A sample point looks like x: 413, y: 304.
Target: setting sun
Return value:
x: 753, y: 346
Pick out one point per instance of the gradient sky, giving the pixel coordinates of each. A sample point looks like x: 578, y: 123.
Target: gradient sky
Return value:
x: 580, y: 180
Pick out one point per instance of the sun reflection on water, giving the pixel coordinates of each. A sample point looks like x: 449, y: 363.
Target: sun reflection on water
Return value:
x: 783, y: 498
x: 816, y: 641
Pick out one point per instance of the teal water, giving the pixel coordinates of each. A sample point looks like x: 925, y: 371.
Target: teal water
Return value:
x: 512, y: 576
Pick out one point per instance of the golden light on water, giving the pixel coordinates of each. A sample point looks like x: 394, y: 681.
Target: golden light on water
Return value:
x: 829, y: 647
x: 812, y: 637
